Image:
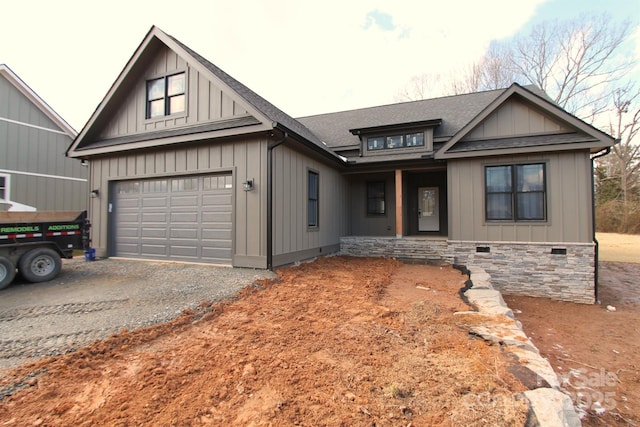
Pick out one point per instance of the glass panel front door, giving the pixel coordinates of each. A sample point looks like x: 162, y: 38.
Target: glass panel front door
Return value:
x: 428, y: 209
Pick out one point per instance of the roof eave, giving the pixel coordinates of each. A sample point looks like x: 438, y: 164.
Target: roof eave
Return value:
x: 593, y: 147
x: 325, y: 151
x: 396, y: 126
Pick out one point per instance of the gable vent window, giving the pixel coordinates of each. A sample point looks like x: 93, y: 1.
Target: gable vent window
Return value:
x: 166, y: 95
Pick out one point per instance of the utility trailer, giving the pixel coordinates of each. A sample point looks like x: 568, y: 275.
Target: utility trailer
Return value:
x: 34, y: 243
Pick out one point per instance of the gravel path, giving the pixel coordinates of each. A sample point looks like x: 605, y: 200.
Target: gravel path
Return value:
x: 92, y: 300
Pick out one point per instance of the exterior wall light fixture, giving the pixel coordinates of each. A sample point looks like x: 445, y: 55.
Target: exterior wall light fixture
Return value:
x: 94, y: 194
x: 247, y: 185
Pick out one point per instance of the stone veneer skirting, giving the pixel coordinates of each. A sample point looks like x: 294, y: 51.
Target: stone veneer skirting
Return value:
x: 562, y: 271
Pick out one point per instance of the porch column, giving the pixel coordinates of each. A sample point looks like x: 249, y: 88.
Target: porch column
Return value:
x: 399, y: 203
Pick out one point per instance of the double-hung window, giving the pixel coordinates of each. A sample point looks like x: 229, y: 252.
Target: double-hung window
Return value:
x: 516, y: 192
x: 313, y: 187
x: 166, y: 95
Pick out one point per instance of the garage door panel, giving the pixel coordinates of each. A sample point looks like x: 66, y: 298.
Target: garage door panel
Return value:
x: 184, y: 233
x: 157, y: 217
x: 154, y: 232
x: 150, y: 249
x: 128, y: 248
x: 184, y: 251
x: 186, y: 218
x: 128, y: 203
x: 185, y: 201
x: 155, y: 202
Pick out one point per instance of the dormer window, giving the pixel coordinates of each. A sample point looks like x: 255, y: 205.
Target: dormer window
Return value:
x: 166, y: 95
x: 415, y: 139
x: 395, y: 141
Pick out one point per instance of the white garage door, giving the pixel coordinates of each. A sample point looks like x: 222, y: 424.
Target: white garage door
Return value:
x: 177, y: 218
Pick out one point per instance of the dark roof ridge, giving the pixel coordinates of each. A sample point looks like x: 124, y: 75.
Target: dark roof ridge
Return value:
x: 391, y: 104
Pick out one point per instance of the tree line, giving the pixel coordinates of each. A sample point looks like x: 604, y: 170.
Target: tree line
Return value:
x: 584, y: 66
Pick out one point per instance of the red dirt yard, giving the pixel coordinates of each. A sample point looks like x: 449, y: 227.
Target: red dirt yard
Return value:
x: 594, y: 351
x: 340, y: 341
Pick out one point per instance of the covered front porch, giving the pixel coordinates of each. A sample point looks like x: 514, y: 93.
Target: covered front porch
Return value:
x: 400, y: 213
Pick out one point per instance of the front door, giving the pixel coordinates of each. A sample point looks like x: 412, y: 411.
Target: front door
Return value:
x: 428, y: 209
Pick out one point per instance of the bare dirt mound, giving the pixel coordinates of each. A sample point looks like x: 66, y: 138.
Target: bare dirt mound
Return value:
x: 593, y: 350
x: 341, y: 341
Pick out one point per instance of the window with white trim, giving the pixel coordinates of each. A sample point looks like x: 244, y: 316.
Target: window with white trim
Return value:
x: 516, y: 192
x: 4, y: 187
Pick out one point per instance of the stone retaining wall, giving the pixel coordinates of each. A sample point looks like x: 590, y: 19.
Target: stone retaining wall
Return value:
x: 548, y: 406
x: 554, y: 270
x: 406, y: 248
x: 532, y: 269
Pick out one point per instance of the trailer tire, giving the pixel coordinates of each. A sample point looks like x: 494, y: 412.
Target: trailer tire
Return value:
x: 7, y: 272
x: 40, y: 265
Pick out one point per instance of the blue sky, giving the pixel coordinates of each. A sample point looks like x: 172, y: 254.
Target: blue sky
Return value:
x: 305, y: 57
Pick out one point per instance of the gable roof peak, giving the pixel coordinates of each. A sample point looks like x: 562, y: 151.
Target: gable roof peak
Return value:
x: 40, y: 103
x: 262, y: 109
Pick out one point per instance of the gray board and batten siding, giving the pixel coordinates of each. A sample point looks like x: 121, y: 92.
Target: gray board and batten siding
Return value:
x: 293, y: 239
x: 238, y: 159
x: 206, y: 101
x: 568, y: 186
x: 125, y: 147
x: 32, y: 152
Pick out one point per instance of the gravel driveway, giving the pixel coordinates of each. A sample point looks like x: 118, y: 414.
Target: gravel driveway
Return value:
x: 92, y: 300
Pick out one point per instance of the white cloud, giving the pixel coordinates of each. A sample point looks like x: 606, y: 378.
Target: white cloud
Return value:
x: 304, y: 57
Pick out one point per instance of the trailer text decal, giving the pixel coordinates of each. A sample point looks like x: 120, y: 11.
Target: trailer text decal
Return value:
x: 60, y: 227
x: 26, y: 229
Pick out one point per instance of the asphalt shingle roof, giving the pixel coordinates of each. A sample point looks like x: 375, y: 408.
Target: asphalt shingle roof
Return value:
x: 264, y: 106
x: 455, y: 112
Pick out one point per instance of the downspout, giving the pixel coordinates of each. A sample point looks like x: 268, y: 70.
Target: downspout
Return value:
x: 593, y: 220
x: 270, y: 147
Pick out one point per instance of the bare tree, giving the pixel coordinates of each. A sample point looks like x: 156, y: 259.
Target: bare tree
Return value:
x: 421, y: 87
x: 625, y: 161
x: 495, y: 70
x: 575, y: 62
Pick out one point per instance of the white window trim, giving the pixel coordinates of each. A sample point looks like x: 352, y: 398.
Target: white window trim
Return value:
x: 7, y: 187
